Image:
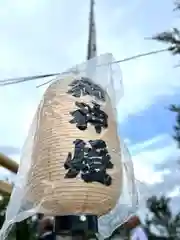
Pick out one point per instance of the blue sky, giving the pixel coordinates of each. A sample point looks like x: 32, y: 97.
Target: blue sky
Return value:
x: 157, y: 119
x: 49, y: 36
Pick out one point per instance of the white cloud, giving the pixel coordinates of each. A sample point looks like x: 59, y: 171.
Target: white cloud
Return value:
x: 145, y: 81
x: 20, y: 7
x: 158, y: 171
x: 174, y: 193
x: 153, y: 141
x: 147, y: 154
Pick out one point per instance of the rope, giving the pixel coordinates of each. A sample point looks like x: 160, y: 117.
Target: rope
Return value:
x: 25, y: 79
x: 30, y: 78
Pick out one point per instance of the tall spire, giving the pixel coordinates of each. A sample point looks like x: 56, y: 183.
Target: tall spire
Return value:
x: 92, y: 33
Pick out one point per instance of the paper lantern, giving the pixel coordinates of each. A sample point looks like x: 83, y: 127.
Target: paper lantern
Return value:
x: 75, y: 162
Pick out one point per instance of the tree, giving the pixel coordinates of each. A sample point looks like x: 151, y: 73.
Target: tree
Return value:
x: 20, y: 231
x: 4, y: 199
x: 172, y: 38
x: 176, y: 109
x: 160, y: 222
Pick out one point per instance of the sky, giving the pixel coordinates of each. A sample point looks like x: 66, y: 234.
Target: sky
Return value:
x: 39, y: 37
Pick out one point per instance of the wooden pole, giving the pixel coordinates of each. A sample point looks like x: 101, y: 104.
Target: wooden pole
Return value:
x: 8, y: 163
x: 5, y: 187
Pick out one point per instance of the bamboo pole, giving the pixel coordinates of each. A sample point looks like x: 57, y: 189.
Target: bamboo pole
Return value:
x: 5, y: 187
x: 8, y: 163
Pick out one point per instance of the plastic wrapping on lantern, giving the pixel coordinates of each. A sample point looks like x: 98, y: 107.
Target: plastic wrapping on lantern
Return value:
x: 128, y: 201
x: 41, y: 185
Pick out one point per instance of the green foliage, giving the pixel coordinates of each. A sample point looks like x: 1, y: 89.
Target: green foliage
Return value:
x: 172, y: 38
x: 160, y: 222
x: 177, y: 5
x: 4, y: 199
x: 21, y: 231
x: 176, y: 110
